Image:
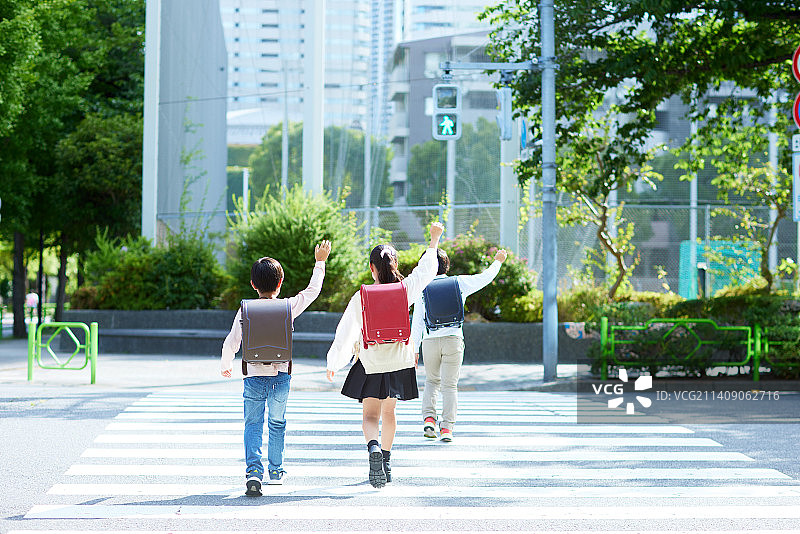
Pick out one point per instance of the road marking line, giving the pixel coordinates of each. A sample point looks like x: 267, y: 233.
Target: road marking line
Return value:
x: 494, y: 492
x: 531, y: 443
x: 217, y: 416
x: 481, y: 429
x: 439, y: 455
x: 449, y: 473
x: 433, y: 513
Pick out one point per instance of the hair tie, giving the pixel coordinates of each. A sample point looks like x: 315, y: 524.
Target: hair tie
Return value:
x: 387, y: 251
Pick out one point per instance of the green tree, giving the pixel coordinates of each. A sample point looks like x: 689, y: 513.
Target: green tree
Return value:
x: 19, y: 44
x: 596, y: 163
x: 343, y: 166
x: 85, y: 61
x: 738, y: 155
x: 725, y: 59
x: 477, y: 167
x: 646, y: 51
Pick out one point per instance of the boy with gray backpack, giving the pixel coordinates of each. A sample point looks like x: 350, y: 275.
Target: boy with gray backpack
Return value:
x: 437, y: 324
x: 264, y: 327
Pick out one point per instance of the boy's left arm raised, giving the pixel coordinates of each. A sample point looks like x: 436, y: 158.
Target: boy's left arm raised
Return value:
x: 303, y: 300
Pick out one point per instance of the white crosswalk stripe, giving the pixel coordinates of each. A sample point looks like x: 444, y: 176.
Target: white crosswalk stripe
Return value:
x: 520, y: 458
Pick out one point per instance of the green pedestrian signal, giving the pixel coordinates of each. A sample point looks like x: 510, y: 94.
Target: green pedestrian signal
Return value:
x: 446, y: 123
x: 448, y: 126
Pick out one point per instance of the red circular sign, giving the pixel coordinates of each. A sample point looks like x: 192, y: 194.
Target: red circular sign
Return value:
x: 795, y: 66
x: 796, y: 110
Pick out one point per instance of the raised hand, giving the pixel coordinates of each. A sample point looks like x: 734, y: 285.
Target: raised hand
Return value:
x: 322, y: 250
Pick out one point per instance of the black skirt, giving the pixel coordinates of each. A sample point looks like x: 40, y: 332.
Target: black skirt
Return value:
x: 400, y: 384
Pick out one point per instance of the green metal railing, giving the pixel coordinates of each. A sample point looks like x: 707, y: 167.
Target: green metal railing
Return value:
x: 36, y: 344
x: 765, y: 341
x: 611, y: 339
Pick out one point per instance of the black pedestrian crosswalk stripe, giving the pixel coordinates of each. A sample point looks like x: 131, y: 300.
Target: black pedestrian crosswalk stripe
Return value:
x: 518, y: 457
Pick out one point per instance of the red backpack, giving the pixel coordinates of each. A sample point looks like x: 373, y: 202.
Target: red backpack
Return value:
x: 384, y: 310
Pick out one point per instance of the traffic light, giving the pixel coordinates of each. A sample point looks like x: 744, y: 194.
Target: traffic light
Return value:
x: 504, y: 120
x: 446, y: 123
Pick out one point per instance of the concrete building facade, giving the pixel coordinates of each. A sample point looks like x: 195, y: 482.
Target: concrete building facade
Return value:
x: 192, y: 148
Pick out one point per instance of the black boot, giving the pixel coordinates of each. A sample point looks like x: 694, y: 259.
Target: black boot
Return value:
x: 377, y: 477
x: 387, y: 466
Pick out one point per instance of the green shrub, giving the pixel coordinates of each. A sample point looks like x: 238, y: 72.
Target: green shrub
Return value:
x: 84, y: 298
x: 109, y: 253
x: 182, y: 274
x: 471, y: 254
x: 288, y: 231
x: 510, y: 297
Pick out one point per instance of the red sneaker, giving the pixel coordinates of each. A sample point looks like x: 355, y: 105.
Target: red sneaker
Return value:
x: 429, y: 428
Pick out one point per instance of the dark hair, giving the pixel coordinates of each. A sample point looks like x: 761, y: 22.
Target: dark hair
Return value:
x: 384, y: 258
x: 266, y: 274
x: 444, y: 261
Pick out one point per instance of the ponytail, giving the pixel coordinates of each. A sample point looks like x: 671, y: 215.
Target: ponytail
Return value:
x: 384, y: 258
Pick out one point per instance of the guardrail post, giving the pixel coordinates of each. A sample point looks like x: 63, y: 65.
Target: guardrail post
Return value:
x: 31, y: 349
x: 93, y: 333
x: 603, y: 343
x: 757, y: 354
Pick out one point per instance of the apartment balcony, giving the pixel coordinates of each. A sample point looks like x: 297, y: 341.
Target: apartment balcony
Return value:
x: 398, y: 126
x: 398, y: 90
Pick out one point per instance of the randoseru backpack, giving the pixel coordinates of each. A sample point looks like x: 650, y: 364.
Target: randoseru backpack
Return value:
x: 443, y: 304
x: 384, y: 310
x: 266, y: 332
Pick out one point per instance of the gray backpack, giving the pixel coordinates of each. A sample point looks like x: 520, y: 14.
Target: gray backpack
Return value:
x: 266, y: 332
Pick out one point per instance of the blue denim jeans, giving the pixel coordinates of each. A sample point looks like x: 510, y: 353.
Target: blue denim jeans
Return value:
x: 258, y: 391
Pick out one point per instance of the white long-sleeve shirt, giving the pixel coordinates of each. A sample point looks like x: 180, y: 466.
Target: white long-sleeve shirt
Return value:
x: 467, y: 284
x: 386, y: 357
x: 298, y: 304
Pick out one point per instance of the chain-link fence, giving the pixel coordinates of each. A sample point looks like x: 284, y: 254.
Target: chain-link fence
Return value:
x: 661, y: 240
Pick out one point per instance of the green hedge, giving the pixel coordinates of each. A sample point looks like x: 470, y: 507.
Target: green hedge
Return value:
x: 133, y: 275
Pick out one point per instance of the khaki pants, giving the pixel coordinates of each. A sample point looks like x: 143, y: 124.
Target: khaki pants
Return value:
x: 442, y: 357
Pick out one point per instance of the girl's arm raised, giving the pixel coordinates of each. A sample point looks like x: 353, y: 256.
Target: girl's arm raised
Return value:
x: 425, y: 271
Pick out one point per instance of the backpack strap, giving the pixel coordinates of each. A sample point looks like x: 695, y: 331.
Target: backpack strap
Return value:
x: 244, y: 367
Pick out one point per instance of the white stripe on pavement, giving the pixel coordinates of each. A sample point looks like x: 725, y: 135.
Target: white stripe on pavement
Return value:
x: 449, y: 473
x: 483, y: 429
x: 537, y: 531
x: 434, y: 513
x: 531, y: 443
x: 219, y: 416
x: 489, y: 492
x: 481, y: 414
x: 439, y: 455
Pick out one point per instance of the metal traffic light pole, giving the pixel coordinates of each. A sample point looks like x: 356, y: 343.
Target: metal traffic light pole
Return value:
x: 547, y: 65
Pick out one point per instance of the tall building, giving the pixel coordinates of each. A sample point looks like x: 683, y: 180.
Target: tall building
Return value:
x: 415, y: 71
x: 387, y: 16
x: 266, y: 57
x: 427, y: 19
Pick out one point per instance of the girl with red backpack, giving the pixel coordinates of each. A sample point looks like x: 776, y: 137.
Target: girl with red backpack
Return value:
x: 384, y: 370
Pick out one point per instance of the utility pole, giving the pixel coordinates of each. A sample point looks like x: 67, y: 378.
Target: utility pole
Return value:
x: 451, y: 188
x: 367, y: 201
x: 549, y: 243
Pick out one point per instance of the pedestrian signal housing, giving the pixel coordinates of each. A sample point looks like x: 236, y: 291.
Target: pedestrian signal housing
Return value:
x: 446, y: 123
